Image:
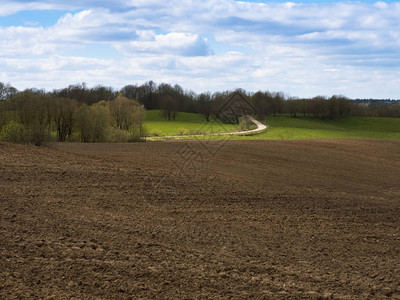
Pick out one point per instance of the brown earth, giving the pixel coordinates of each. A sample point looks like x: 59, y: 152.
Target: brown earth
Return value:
x: 195, y: 220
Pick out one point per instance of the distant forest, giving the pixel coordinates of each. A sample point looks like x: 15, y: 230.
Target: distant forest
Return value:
x: 103, y: 113
x: 176, y: 98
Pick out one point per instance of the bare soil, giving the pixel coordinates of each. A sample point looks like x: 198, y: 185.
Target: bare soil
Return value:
x: 201, y: 220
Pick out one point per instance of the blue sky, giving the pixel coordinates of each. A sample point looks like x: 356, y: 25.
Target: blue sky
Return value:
x: 302, y: 48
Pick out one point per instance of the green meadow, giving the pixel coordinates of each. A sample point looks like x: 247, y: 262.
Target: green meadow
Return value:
x: 280, y: 127
x: 284, y: 127
x: 185, y: 124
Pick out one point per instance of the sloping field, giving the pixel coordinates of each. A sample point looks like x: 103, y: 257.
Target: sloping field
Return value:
x: 283, y: 127
x: 198, y: 219
x: 280, y: 127
x: 185, y: 124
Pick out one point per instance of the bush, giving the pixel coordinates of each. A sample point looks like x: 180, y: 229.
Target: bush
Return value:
x: 182, y: 131
x: 39, y: 135
x: 136, y: 138
x: 14, y: 133
x: 6, y: 117
x: 139, y: 135
x: 244, y: 124
x: 117, y: 135
x: 156, y: 132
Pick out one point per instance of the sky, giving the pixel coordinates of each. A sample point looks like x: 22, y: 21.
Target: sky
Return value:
x: 301, y: 48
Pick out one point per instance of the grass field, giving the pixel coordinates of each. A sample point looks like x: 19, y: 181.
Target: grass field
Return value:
x: 283, y: 127
x: 185, y: 124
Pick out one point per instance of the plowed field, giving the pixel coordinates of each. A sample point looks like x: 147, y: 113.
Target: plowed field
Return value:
x: 201, y: 220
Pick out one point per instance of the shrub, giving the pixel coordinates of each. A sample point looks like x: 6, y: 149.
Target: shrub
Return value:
x: 136, y: 137
x: 244, y: 124
x: 182, y: 131
x: 39, y: 135
x: 117, y: 135
x: 139, y: 135
x: 14, y: 133
x: 6, y: 117
x: 156, y: 132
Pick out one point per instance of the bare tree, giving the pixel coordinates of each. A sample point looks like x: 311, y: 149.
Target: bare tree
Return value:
x: 7, y: 91
x: 63, y: 110
x: 205, y: 105
x: 169, y: 106
x: 293, y: 106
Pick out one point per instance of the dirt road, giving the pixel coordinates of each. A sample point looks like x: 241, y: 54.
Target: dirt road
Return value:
x: 260, y: 128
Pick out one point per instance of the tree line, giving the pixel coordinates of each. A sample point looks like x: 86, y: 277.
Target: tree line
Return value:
x: 172, y: 99
x: 33, y: 116
x: 102, y: 113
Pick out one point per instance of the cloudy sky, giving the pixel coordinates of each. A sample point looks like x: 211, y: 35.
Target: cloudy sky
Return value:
x: 303, y: 48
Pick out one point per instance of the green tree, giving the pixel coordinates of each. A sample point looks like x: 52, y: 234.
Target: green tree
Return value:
x: 127, y: 114
x: 14, y: 132
x: 92, y: 122
x: 32, y: 109
x: 83, y: 123
x: 101, y: 121
x: 259, y: 100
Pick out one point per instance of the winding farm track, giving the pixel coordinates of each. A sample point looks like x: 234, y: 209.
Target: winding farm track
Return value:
x: 260, y: 128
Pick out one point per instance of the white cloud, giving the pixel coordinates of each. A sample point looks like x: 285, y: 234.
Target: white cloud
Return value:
x: 277, y: 46
x: 381, y: 5
x: 9, y: 8
x: 183, y: 44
